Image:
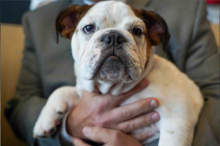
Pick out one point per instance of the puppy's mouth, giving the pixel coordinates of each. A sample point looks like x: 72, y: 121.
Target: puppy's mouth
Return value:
x: 112, y: 68
x: 113, y: 57
x: 112, y: 64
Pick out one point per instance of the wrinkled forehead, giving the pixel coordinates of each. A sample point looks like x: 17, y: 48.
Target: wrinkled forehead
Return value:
x: 115, y: 9
x: 110, y: 12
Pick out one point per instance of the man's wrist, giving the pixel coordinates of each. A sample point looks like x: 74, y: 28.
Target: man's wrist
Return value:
x: 67, y: 125
x: 74, y: 123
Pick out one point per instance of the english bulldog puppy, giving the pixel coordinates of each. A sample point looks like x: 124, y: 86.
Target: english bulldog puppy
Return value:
x: 113, y: 48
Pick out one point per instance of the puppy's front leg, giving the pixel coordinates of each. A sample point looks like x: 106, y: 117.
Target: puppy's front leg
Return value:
x: 60, y: 101
x: 176, y: 132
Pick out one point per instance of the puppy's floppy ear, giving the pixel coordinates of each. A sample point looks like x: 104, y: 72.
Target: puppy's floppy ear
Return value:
x: 68, y: 19
x: 156, y: 27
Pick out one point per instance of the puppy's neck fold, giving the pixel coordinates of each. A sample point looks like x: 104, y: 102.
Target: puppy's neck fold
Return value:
x: 114, y: 88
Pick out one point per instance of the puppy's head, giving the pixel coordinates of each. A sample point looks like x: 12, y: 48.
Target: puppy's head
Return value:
x: 111, y: 41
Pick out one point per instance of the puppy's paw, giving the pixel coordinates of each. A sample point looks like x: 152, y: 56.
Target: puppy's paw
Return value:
x: 50, y: 117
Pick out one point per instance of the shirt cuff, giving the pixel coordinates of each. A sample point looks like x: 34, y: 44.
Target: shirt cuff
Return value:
x: 38, y: 3
x: 65, y: 138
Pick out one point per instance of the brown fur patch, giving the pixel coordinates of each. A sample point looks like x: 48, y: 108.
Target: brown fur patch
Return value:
x: 68, y: 19
x: 159, y: 33
x: 148, y: 48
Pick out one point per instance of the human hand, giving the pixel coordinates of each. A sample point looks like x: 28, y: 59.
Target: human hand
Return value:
x: 107, y: 136
x: 95, y: 109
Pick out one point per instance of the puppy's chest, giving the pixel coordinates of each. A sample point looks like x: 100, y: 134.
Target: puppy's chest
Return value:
x: 168, y: 85
x: 163, y: 85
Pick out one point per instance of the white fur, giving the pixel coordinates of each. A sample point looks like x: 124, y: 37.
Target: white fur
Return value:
x: 179, y: 98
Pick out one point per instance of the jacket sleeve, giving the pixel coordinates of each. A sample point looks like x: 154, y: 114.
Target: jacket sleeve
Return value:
x: 202, y: 66
x: 24, y: 108
x: 202, y: 62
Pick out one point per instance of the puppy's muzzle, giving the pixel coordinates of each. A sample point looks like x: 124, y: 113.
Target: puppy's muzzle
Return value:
x: 114, y: 39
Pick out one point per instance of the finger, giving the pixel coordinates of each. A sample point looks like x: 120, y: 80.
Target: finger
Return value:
x: 142, y: 136
x: 138, y: 122
x: 97, y: 90
x: 90, y: 94
x: 79, y: 142
x: 132, y: 110
x: 140, y: 86
x: 99, y: 134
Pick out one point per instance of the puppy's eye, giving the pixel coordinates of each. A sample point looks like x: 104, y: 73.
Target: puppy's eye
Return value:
x: 89, y: 28
x: 137, y: 31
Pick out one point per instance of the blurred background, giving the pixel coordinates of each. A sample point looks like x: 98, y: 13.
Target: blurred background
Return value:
x: 11, y: 53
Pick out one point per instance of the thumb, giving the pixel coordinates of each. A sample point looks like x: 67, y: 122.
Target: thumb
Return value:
x: 98, y: 134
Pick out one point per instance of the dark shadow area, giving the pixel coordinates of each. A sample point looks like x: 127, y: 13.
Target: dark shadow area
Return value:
x: 12, y: 10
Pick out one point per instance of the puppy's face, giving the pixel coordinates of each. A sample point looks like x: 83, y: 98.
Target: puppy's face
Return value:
x: 111, y: 41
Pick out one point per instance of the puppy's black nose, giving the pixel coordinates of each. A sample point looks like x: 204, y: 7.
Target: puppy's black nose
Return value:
x: 114, y: 39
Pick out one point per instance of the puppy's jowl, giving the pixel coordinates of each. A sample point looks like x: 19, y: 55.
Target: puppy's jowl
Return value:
x: 113, y: 48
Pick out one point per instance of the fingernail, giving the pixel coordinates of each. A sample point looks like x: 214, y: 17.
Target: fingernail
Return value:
x: 153, y: 103
x: 149, y: 134
x: 155, y: 117
x: 87, y: 130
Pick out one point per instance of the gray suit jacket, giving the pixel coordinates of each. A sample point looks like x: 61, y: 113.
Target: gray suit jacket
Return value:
x: 47, y: 65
